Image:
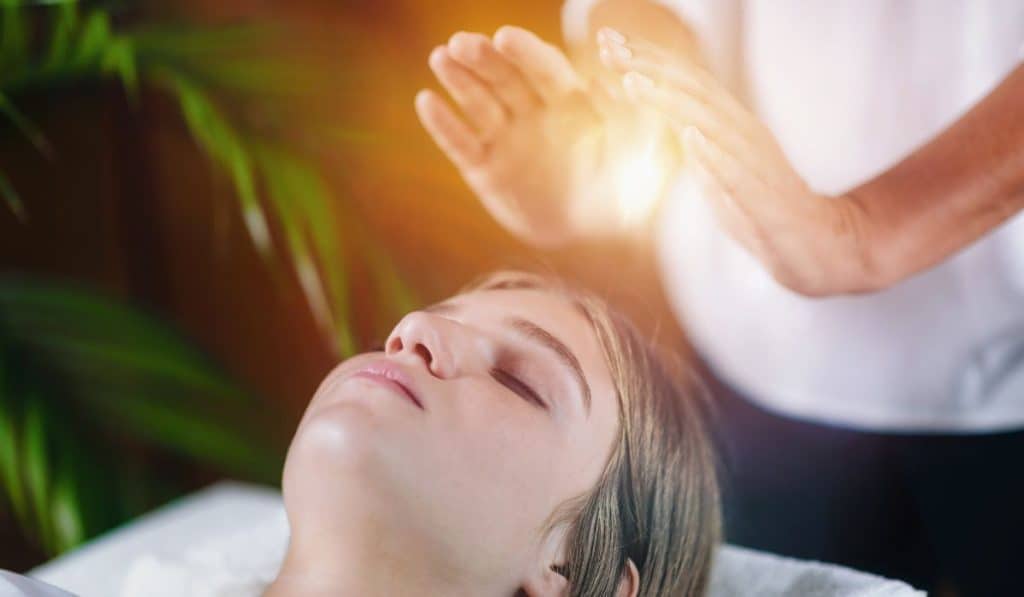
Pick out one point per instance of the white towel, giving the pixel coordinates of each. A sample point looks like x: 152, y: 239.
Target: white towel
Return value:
x: 244, y: 563
x: 15, y: 585
x: 229, y: 540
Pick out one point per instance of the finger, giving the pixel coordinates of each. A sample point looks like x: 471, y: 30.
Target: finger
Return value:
x: 723, y: 196
x: 719, y: 199
x: 618, y: 52
x: 689, y: 81
x: 734, y: 208
x: 543, y: 65
x: 477, y: 53
x: 726, y: 170
x: 742, y: 183
x: 708, y: 167
x: 728, y: 164
x: 452, y: 135
x: 684, y: 111
x: 672, y: 70
x: 473, y: 96
x: 677, y: 78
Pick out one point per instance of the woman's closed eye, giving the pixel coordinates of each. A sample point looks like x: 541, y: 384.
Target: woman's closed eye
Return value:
x: 518, y: 386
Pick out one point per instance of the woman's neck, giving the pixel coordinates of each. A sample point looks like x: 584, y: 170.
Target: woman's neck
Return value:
x: 310, y: 571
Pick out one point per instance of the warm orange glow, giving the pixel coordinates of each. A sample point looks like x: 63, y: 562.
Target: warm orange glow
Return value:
x: 639, y: 176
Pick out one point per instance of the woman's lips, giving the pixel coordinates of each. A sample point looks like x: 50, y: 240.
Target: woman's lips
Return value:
x: 391, y: 375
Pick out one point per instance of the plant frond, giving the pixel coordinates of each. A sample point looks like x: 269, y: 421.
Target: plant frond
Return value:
x: 64, y: 26
x: 137, y: 375
x: 78, y: 369
x: 224, y: 146
x: 303, y: 204
x: 33, y: 485
x: 193, y: 65
x: 32, y: 132
x: 14, y: 34
x: 11, y: 199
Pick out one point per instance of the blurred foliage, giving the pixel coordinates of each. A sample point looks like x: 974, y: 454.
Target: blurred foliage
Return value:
x: 198, y: 67
x: 82, y: 379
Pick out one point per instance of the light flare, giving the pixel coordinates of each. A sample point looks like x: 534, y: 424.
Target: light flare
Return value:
x: 639, y: 177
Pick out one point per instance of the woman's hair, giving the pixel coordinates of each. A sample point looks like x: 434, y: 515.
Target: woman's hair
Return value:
x: 656, y: 502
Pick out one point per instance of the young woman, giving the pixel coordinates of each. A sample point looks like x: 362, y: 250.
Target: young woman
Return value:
x: 517, y: 439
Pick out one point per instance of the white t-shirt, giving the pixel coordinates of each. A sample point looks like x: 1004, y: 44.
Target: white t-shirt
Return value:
x: 849, y: 87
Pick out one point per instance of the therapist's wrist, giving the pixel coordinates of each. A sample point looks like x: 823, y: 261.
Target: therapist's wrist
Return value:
x: 829, y: 249
x: 870, y: 266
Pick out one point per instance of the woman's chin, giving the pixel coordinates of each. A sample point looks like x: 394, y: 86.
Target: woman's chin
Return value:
x: 341, y: 463
x: 341, y: 438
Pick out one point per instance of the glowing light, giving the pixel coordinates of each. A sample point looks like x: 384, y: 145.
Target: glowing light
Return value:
x: 636, y: 157
x: 639, y: 178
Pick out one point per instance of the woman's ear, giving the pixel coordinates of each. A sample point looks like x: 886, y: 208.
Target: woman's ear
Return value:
x: 546, y: 583
x: 552, y: 584
x: 543, y: 580
x: 629, y: 584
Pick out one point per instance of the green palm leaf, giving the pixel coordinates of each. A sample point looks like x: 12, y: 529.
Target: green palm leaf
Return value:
x: 79, y: 370
x: 194, y: 65
x: 39, y: 481
x: 26, y: 126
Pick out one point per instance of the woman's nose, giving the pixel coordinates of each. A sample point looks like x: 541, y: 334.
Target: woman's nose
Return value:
x: 426, y: 337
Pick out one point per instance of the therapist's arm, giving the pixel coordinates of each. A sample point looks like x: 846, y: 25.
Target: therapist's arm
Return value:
x: 950, y: 192
x: 944, y: 196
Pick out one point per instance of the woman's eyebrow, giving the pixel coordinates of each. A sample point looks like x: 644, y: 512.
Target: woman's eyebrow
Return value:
x: 445, y: 307
x: 546, y: 339
x: 543, y: 337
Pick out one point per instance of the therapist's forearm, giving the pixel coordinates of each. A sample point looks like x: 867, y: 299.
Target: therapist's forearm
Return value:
x: 952, y: 191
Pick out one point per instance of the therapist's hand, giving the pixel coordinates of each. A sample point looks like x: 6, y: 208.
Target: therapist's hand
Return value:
x: 814, y: 244
x: 531, y: 140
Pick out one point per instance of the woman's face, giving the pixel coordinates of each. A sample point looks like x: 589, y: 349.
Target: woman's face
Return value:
x: 483, y: 414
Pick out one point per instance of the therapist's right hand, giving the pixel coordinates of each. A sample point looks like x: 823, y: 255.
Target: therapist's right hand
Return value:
x: 530, y: 142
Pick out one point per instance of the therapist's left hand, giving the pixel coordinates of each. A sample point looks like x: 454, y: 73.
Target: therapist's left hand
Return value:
x: 814, y: 244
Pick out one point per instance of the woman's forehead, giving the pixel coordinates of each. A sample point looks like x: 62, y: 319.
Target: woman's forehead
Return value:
x: 550, y: 309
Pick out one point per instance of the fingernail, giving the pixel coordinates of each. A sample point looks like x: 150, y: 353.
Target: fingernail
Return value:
x: 636, y: 83
x: 609, y: 35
